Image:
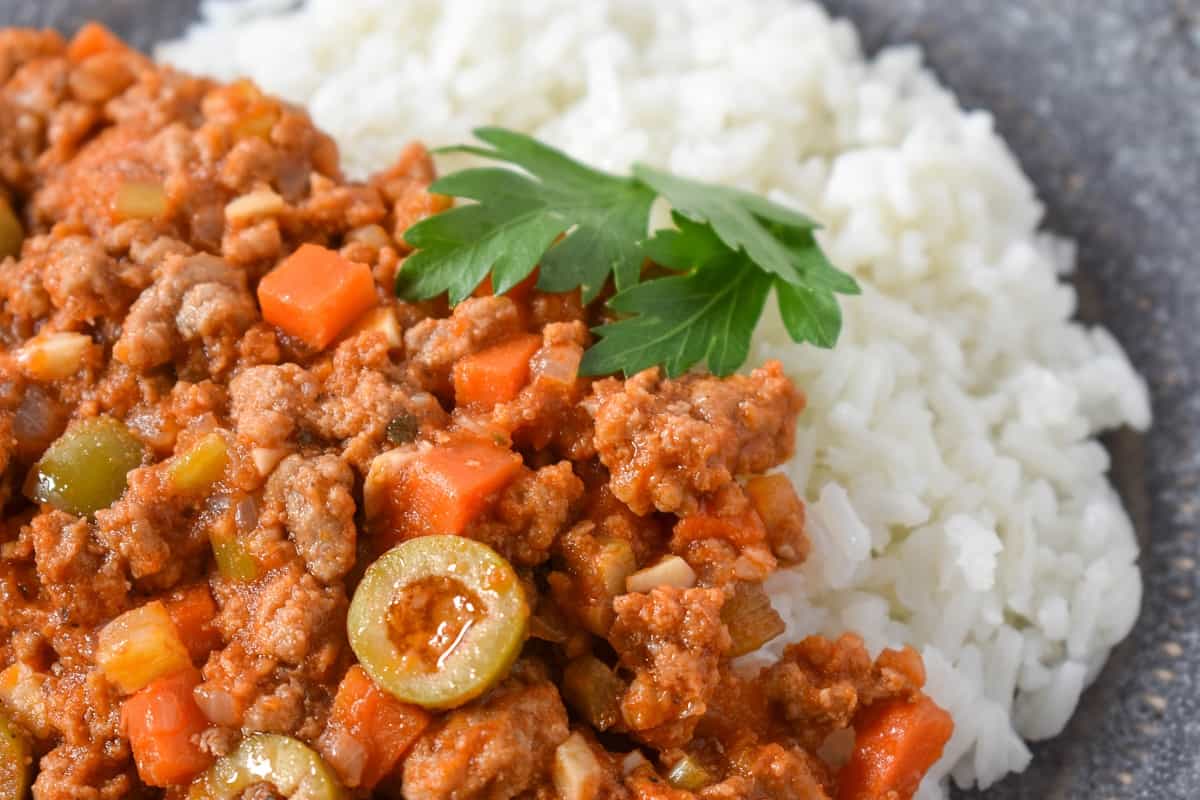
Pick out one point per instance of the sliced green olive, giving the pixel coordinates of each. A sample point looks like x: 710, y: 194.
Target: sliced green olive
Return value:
x: 16, y: 759
x: 84, y: 470
x: 288, y: 766
x: 438, y: 620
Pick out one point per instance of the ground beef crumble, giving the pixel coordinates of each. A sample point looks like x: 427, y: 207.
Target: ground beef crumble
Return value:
x: 601, y: 479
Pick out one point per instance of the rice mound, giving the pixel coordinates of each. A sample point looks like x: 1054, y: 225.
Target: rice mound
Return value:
x: 958, y: 497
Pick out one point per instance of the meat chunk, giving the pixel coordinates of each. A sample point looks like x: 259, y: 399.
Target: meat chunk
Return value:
x: 76, y: 772
x: 318, y: 507
x: 725, y: 540
x: 668, y: 443
x: 198, y: 300
x: 494, y: 749
x: 83, y: 582
x: 435, y: 344
x: 774, y: 771
x: 362, y: 392
x: 672, y: 640
x: 819, y: 684
x: 269, y: 402
x: 148, y: 526
x: 287, y: 645
x: 530, y: 513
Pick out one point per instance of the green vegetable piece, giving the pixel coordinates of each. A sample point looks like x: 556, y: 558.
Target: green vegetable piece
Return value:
x: 708, y: 315
x: 687, y: 774
x: 234, y: 561
x: 751, y: 619
x: 730, y: 246
x: 85, y: 469
x: 16, y: 761
x: 290, y: 767
x: 519, y: 217
x: 593, y: 690
x: 11, y: 232
x: 742, y: 220
x: 201, y: 466
x: 469, y: 629
x: 402, y: 428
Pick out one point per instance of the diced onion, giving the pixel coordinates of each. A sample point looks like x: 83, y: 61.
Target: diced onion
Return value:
x: 670, y: 571
x: 257, y: 204
x: 21, y: 695
x: 267, y: 458
x: 577, y: 773
x: 345, y: 754
x: 382, y: 320
x: 140, y: 200
x: 218, y: 705
x: 632, y: 761
x: 53, y: 356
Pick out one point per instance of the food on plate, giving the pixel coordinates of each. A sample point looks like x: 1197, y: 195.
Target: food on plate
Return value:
x: 274, y: 531
x: 956, y: 491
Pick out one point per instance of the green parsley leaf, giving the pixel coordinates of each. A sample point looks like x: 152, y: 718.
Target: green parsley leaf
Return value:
x: 729, y: 248
x: 707, y: 315
x: 810, y: 315
x: 604, y: 219
x: 743, y: 221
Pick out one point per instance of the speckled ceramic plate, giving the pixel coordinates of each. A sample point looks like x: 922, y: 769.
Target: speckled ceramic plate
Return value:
x: 1100, y: 99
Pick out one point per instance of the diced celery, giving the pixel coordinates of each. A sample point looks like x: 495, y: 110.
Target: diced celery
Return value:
x: 688, y: 774
x: 751, y: 619
x: 234, y: 561
x: 54, y: 356
x: 84, y: 470
x: 591, y: 688
x: 202, y: 465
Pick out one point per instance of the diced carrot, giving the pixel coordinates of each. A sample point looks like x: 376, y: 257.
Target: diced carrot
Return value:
x: 91, y: 39
x: 193, y: 610
x: 163, y: 722
x: 383, y: 725
x: 518, y: 294
x: 896, y: 742
x: 497, y: 374
x: 448, y: 486
x: 315, y: 294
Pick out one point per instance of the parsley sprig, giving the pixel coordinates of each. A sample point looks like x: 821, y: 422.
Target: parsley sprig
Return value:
x: 727, y: 250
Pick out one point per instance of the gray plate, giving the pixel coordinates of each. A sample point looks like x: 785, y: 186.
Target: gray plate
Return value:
x: 1100, y: 99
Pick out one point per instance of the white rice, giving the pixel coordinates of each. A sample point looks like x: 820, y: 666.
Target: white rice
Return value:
x: 958, y: 494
